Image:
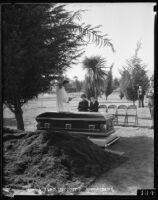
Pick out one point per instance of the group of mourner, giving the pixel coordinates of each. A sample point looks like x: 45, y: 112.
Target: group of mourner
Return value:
x: 83, y: 106
x: 93, y: 106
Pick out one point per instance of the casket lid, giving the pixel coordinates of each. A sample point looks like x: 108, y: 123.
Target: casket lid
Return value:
x: 81, y: 116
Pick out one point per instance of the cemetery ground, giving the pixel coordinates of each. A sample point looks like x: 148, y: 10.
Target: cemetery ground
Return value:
x: 136, y: 142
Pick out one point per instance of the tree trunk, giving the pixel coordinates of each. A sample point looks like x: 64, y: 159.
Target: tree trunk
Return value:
x: 19, y: 119
x: 95, y: 91
x: 106, y: 97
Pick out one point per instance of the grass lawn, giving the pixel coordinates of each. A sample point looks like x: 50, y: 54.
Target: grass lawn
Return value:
x: 47, y: 103
x: 136, y: 173
x: 136, y: 142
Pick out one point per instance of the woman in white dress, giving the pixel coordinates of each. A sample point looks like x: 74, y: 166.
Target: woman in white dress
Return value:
x: 62, y: 98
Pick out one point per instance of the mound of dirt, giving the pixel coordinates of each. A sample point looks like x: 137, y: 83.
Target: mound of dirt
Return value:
x: 54, y: 160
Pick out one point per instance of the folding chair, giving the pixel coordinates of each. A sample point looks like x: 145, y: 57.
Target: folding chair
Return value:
x: 121, y: 112
x: 112, y: 109
x: 132, y: 112
x: 103, y: 107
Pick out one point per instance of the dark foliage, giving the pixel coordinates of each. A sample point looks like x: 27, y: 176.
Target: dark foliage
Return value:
x: 109, y: 83
x: 40, y: 41
x: 133, y: 75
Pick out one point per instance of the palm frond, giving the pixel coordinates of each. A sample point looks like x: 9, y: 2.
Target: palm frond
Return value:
x: 98, y: 38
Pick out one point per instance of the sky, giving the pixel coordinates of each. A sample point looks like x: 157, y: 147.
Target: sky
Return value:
x: 125, y: 24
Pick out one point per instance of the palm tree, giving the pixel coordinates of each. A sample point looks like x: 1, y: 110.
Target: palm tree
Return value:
x: 96, y: 75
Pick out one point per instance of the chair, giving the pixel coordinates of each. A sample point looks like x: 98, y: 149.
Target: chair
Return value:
x: 103, y: 107
x: 112, y: 109
x: 121, y: 112
x: 132, y: 112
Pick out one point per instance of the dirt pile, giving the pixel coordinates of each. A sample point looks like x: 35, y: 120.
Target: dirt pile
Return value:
x: 46, y: 159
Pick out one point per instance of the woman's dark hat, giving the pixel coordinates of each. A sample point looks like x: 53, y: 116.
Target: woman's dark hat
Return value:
x: 83, y: 95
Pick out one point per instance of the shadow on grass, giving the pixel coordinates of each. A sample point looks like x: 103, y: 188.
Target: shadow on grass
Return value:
x: 137, y: 172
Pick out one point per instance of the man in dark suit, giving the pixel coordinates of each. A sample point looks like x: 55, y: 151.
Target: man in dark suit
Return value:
x: 83, y: 105
x: 141, y: 94
x: 94, y: 105
x: 150, y: 96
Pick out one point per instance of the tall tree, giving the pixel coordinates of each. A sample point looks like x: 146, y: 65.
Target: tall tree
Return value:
x: 132, y: 75
x: 109, y: 83
x: 116, y: 83
x: 132, y: 92
x: 78, y: 84
x: 125, y: 81
x: 96, y: 75
x: 40, y: 41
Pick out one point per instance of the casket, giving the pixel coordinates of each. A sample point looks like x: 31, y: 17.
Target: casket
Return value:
x: 85, y: 123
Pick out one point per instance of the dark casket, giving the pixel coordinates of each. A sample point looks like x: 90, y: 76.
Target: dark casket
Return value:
x: 96, y: 126
x: 86, y: 123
